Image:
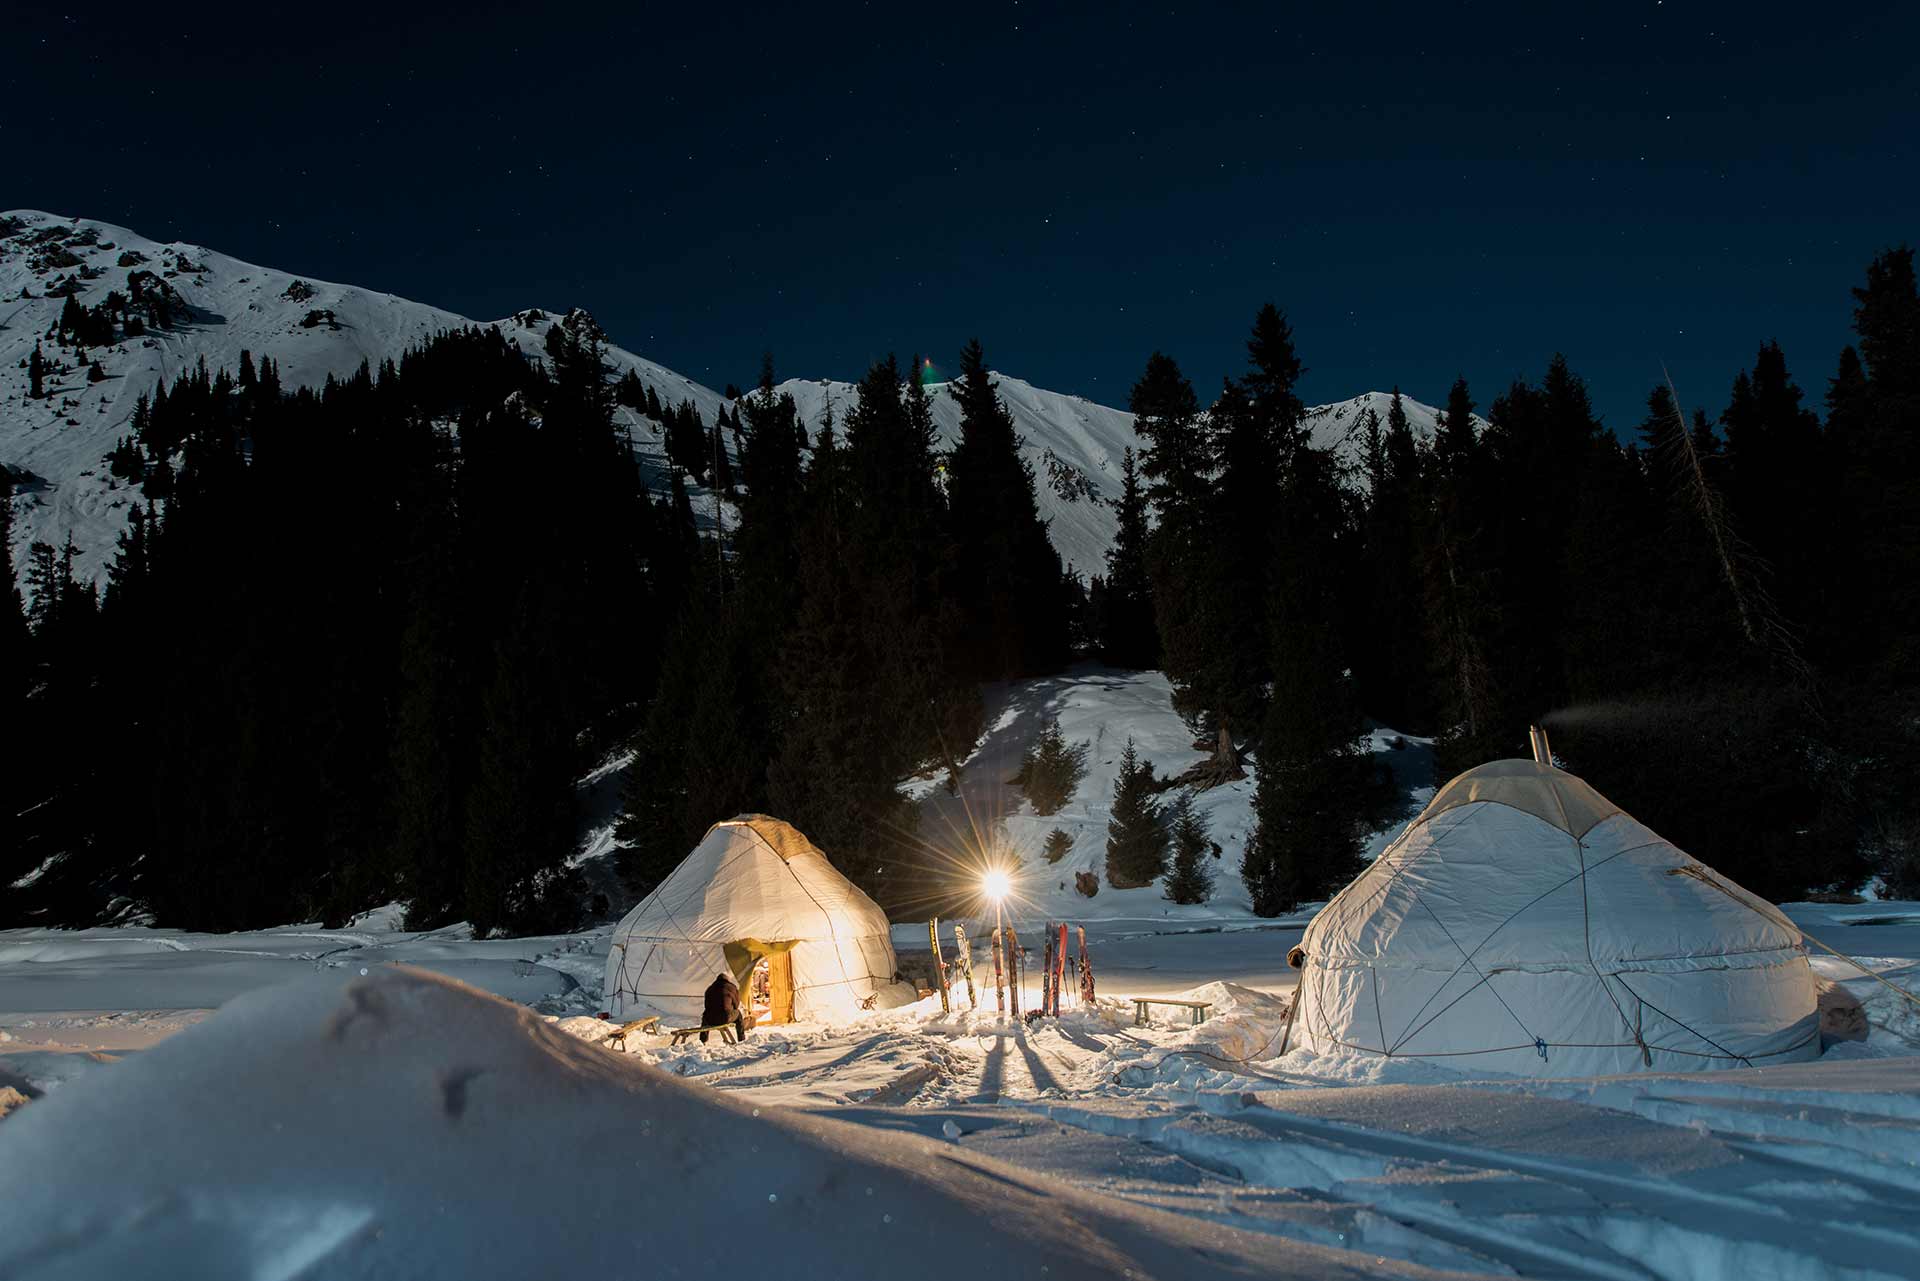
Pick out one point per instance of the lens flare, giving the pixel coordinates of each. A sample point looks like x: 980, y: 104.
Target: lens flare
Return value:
x: 996, y: 885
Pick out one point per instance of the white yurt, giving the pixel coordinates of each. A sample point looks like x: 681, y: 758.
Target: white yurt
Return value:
x: 755, y: 894
x: 1525, y: 924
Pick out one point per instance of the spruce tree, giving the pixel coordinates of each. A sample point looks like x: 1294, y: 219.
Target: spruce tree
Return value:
x: 1389, y: 658
x: 1051, y: 770
x: 518, y: 820
x: 1007, y: 573
x: 36, y: 374
x: 1453, y: 433
x: 1136, y: 832
x: 1176, y: 460
x: 1128, y: 632
x: 1460, y: 607
x: 1190, y: 881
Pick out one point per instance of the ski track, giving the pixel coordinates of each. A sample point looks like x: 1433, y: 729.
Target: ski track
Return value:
x: 1753, y: 1177
x: 1806, y: 1170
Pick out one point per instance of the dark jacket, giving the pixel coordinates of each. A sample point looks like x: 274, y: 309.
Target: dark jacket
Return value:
x: 722, y: 1002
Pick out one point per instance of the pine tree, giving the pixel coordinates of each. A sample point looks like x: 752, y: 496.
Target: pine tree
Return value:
x: 36, y: 374
x: 1373, y: 450
x: 834, y: 775
x: 1460, y: 607
x: 13, y: 614
x: 1006, y: 571
x: 1775, y: 475
x: 702, y: 753
x: 1389, y: 660
x: 518, y: 821
x: 1177, y: 459
x: 1136, y: 832
x: 1313, y: 788
x: 1128, y: 632
x: 1191, y: 881
x: 1453, y: 433
x: 1177, y: 453
x: 1880, y: 463
x: 1051, y: 770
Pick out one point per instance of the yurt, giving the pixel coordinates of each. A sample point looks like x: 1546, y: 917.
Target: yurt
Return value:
x: 1525, y: 924
x: 758, y: 901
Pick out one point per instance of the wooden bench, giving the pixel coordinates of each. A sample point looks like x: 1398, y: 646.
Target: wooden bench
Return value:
x: 728, y: 1033
x: 1199, y: 1009
x: 617, y: 1040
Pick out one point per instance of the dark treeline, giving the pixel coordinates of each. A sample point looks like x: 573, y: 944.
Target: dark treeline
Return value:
x: 1716, y: 615
x: 360, y: 643
x: 357, y: 643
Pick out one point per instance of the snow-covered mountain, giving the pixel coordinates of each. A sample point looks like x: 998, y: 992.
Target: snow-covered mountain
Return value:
x: 313, y: 328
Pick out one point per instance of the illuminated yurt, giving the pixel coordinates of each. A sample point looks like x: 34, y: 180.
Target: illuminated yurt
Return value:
x: 757, y: 900
x: 1525, y: 924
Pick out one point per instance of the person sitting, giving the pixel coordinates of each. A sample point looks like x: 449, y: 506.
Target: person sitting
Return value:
x: 723, y: 1006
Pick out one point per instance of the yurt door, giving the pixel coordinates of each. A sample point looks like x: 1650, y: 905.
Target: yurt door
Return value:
x: 780, y: 987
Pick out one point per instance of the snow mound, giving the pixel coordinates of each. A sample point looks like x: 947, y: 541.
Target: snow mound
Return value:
x: 401, y: 1123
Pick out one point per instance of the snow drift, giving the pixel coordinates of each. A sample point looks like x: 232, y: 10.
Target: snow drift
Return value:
x: 399, y: 1123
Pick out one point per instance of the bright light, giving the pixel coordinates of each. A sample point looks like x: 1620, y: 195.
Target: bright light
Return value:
x: 996, y: 885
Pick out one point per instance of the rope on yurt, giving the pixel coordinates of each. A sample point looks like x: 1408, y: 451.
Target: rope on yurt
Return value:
x: 1586, y: 932
x: 1705, y: 875
x: 1495, y: 930
x: 1293, y: 1008
x: 1466, y: 961
x: 1680, y: 1023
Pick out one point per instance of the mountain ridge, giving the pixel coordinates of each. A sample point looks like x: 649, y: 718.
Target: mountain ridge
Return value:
x: 313, y: 329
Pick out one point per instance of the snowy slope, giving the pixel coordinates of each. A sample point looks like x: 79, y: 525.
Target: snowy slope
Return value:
x: 1073, y: 445
x: 59, y: 442
x: 1099, y: 709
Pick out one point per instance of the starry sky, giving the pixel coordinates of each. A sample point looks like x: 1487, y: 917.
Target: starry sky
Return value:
x: 1427, y: 190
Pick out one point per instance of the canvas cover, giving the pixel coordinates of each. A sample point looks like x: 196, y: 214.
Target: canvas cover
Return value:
x: 753, y: 886
x: 1525, y: 924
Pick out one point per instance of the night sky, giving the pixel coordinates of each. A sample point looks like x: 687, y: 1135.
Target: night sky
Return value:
x: 1427, y: 190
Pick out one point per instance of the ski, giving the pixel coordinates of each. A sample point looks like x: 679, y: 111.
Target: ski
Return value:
x: 964, y: 953
x: 999, y: 980
x: 1059, y: 967
x: 939, y: 964
x: 1013, y: 969
x: 1046, y: 970
x: 1086, y: 969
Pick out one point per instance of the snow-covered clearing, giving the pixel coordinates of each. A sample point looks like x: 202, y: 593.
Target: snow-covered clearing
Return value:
x: 1807, y: 1170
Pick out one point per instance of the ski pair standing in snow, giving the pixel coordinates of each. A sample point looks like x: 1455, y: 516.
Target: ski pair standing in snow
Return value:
x: 1046, y: 973
x: 939, y: 964
x: 964, y: 958
x: 1057, y: 980
x: 1013, y: 968
x: 999, y: 979
x: 1086, y: 970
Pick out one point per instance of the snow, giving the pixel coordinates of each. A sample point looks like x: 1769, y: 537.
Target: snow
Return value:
x: 402, y: 1124
x: 252, y: 1135
x: 1101, y: 707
